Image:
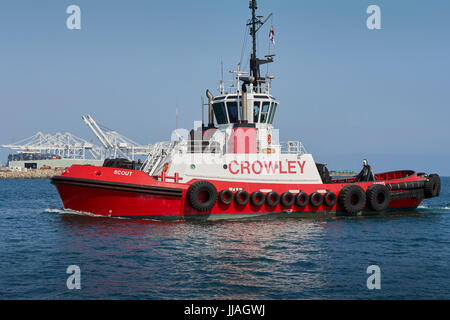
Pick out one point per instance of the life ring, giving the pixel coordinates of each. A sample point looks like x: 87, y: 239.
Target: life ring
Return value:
x: 378, y: 197
x: 287, y: 199
x: 257, y: 195
x: 432, y: 187
x: 202, y: 195
x: 301, y: 199
x: 316, y: 199
x: 241, y: 197
x: 226, y: 196
x: 330, y: 199
x: 352, y: 198
x: 272, y: 199
x: 165, y: 167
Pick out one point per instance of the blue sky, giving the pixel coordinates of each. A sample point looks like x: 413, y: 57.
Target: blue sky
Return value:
x: 347, y: 92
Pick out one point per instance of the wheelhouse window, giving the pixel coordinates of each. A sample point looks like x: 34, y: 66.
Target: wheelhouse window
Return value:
x: 273, y: 109
x: 264, y: 111
x: 256, y: 108
x: 228, y: 111
x: 233, y: 112
x: 220, y: 113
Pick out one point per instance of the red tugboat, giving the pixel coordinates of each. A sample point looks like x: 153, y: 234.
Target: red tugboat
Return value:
x: 235, y: 167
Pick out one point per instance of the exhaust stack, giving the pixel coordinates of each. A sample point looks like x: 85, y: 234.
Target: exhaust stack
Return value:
x: 210, y: 109
x: 244, y: 104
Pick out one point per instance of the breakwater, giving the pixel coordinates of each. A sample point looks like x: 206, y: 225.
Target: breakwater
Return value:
x: 31, y: 174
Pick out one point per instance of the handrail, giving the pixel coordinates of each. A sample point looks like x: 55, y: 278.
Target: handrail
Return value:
x: 292, y: 147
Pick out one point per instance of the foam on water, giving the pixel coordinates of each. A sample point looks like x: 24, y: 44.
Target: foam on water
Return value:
x: 65, y: 211
x: 69, y: 211
x: 433, y: 207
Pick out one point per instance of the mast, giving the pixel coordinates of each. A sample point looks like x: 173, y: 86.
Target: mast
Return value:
x: 254, y: 69
x: 255, y: 24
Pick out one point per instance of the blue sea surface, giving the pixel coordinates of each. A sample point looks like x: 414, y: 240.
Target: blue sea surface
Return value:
x: 260, y: 259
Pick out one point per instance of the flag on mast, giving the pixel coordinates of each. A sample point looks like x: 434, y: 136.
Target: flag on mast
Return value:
x: 271, y: 35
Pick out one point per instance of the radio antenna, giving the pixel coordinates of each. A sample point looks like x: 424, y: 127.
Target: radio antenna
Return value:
x: 255, y: 24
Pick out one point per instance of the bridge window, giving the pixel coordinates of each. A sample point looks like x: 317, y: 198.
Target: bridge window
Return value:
x: 233, y: 112
x: 264, y: 111
x: 256, y: 108
x: 273, y: 109
x: 220, y: 113
x: 229, y: 112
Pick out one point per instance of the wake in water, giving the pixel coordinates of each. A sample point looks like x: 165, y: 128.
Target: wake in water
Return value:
x: 79, y: 213
x: 64, y: 211
x: 73, y: 212
x: 428, y: 207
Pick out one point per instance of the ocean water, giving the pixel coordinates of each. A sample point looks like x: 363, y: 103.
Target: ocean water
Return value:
x: 264, y: 259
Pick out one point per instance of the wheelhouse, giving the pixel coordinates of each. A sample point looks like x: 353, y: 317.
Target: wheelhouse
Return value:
x: 261, y: 109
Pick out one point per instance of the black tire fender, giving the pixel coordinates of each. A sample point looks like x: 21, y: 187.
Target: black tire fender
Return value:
x: 196, y: 189
x: 287, y: 199
x: 241, y: 197
x: 272, y: 199
x: 226, y: 196
x: 432, y: 187
x: 330, y: 199
x: 316, y: 199
x: 301, y: 199
x: 378, y: 197
x: 352, y: 199
x: 257, y: 195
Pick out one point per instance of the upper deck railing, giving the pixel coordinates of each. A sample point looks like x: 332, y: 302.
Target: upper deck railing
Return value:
x: 163, y: 150
x: 292, y: 147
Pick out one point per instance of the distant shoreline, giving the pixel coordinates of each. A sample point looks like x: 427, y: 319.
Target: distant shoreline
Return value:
x: 31, y: 174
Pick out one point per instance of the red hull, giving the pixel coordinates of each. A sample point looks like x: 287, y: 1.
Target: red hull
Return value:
x: 127, y: 193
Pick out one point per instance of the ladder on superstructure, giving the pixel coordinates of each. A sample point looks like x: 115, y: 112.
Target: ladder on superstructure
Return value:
x: 160, y: 151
